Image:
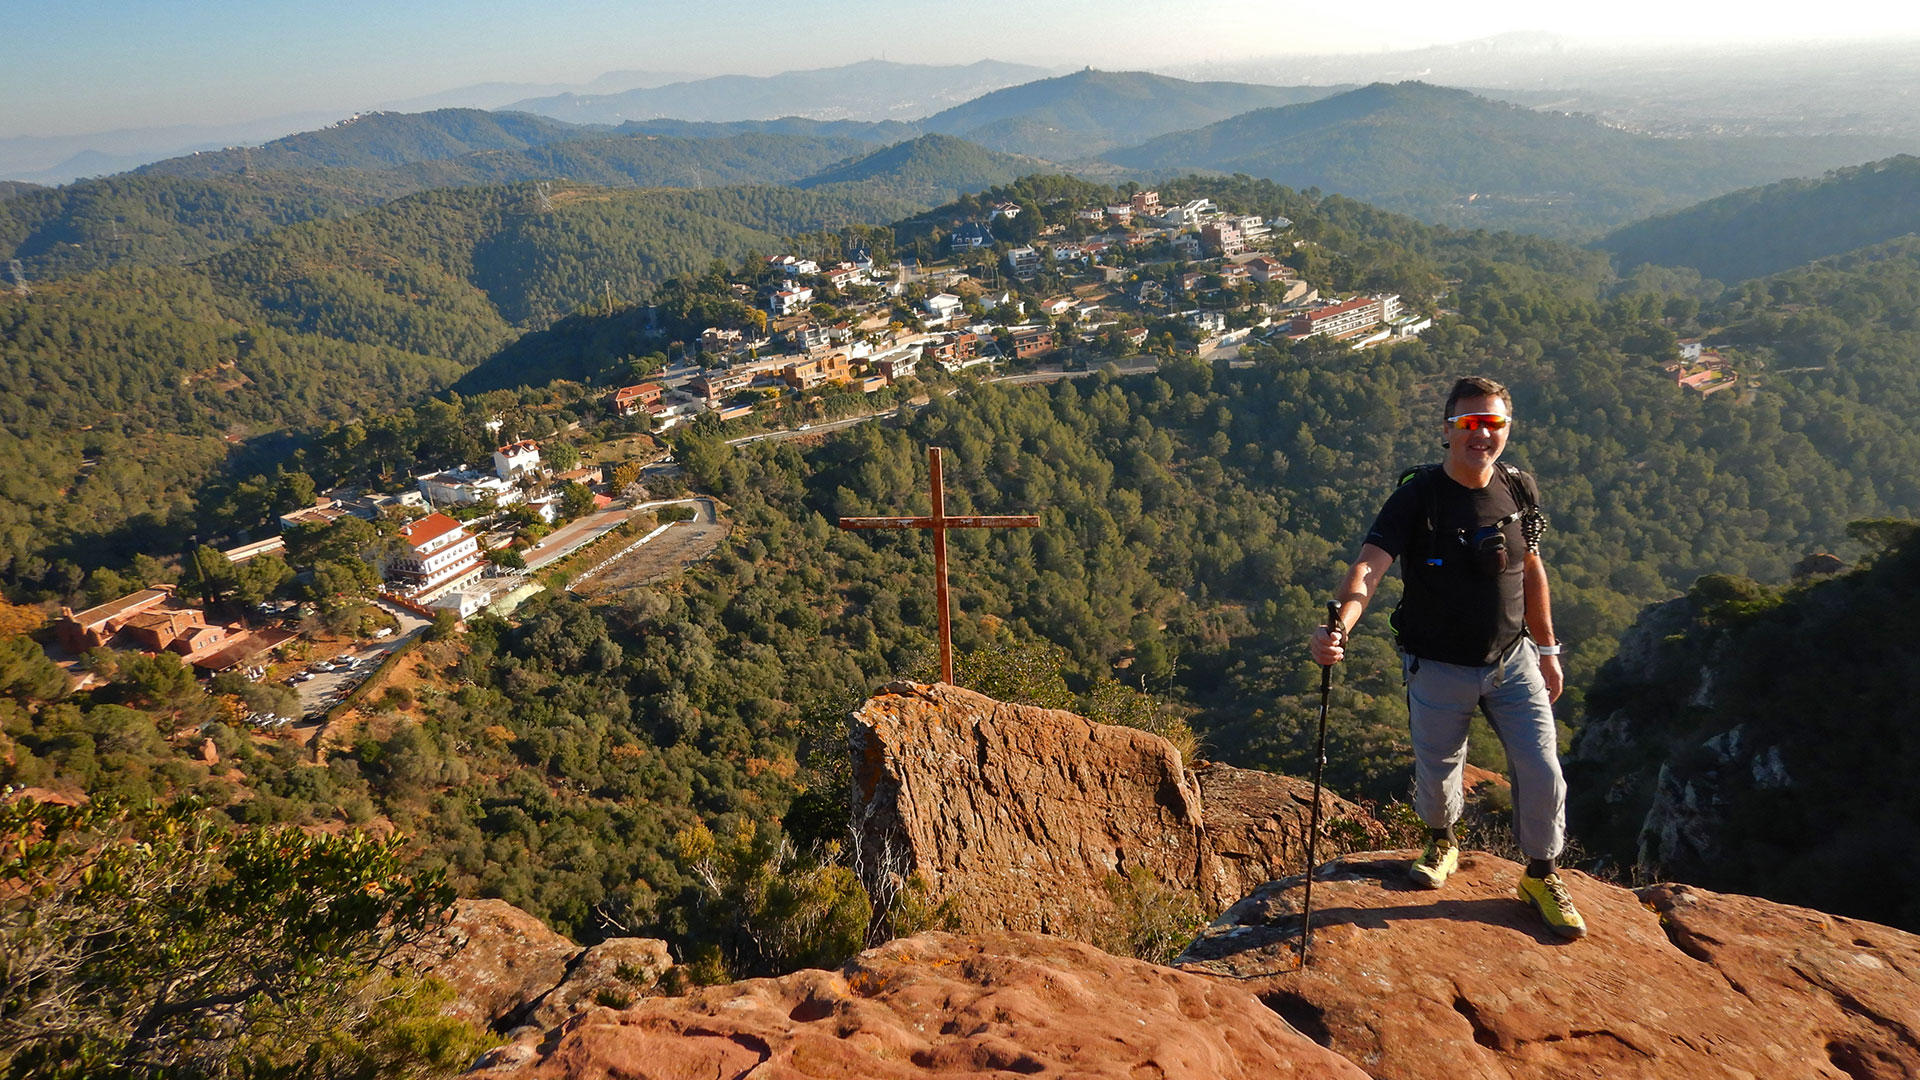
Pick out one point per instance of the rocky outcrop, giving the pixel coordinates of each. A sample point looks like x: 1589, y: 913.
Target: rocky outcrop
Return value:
x: 1021, y: 814
x: 508, y: 970
x: 1672, y: 981
x: 940, y: 1005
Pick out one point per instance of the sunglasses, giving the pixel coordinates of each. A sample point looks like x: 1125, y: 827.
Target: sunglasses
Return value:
x: 1476, y: 420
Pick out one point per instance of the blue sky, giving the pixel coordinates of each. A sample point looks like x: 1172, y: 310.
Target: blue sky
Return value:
x: 75, y: 66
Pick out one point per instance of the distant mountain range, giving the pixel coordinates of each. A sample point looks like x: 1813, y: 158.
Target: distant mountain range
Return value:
x: 870, y: 90
x: 1451, y: 157
x: 1763, y: 230
x: 1444, y: 155
x: 1089, y: 111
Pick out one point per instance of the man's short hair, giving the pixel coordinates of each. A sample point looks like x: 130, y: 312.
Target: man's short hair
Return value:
x: 1476, y: 386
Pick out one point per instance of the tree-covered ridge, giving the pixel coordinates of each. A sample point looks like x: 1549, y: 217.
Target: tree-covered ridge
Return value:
x: 382, y: 140
x: 1767, y: 229
x: 1788, y: 716
x: 139, y: 351
x: 644, y: 161
x: 929, y: 169
x: 1083, y: 113
x: 1449, y: 156
x: 162, y: 221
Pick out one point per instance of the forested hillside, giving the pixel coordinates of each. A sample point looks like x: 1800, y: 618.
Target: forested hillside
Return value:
x: 163, y: 220
x: 1451, y: 157
x: 1767, y: 229
x: 930, y: 169
x: 377, y: 141
x: 1081, y: 114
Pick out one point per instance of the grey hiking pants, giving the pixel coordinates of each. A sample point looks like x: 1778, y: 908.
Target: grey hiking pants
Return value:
x: 1441, y: 699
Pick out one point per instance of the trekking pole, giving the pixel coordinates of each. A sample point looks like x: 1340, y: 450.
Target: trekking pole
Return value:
x: 1319, y: 768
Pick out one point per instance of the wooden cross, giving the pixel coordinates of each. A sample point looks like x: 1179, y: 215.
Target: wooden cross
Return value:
x: 939, y: 522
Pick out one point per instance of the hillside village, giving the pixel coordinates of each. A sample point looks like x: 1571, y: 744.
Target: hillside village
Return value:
x: 1108, y: 282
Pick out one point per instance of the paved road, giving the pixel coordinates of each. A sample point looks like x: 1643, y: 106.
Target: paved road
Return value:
x: 1043, y: 376
x: 318, y: 694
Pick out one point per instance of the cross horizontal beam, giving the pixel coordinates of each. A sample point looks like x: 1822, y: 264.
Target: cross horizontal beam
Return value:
x: 988, y: 521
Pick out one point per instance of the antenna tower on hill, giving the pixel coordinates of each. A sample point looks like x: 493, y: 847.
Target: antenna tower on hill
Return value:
x: 544, y: 190
x: 19, y: 277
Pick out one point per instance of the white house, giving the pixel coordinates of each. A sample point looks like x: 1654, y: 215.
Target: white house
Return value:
x: 944, y: 306
x: 464, y: 487
x: 788, y: 301
x: 517, y: 459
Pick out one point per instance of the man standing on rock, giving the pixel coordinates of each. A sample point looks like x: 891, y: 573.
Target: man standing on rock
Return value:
x: 1475, y: 630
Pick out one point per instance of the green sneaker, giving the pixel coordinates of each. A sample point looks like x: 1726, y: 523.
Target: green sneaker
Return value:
x: 1431, y: 869
x: 1549, y: 896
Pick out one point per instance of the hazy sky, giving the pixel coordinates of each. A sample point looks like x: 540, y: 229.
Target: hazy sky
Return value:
x: 70, y: 66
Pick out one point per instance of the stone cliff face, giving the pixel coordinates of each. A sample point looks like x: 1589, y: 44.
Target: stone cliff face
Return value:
x: 1021, y: 814
x: 1763, y: 741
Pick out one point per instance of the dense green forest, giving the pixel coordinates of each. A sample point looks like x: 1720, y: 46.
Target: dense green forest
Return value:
x: 163, y: 221
x: 1767, y: 229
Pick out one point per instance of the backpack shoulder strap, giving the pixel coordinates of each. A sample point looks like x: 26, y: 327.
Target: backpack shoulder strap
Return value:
x: 1533, y: 522
x: 1422, y: 475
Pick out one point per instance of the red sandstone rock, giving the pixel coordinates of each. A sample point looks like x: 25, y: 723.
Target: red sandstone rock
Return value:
x: 1465, y: 982
x: 940, y: 1005
x: 497, y: 958
x: 1020, y: 814
x: 614, y: 974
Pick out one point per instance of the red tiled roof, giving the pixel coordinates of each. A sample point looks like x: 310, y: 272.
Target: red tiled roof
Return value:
x: 1339, y: 309
x: 428, y: 528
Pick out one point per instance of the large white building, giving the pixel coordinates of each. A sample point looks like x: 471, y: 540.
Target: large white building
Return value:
x: 435, y: 552
x: 464, y: 487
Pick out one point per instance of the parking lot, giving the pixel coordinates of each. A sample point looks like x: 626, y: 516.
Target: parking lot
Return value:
x: 323, y: 683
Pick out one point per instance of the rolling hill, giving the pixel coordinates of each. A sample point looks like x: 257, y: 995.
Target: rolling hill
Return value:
x: 869, y: 90
x: 930, y: 169
x: 1763, y: 230
x: 1089, y: 111
x: 1451, y: 157
x: 161, y: 217
x: 379, y: 141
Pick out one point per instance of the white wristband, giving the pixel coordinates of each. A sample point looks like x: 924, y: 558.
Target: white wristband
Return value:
x: 1548, y: 650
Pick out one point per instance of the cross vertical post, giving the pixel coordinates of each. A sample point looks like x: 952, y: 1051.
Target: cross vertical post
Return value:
x: 939, y: 523
x: 940, y: 563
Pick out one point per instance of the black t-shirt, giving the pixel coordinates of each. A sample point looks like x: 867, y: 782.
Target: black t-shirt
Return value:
x: 1452, y: 610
